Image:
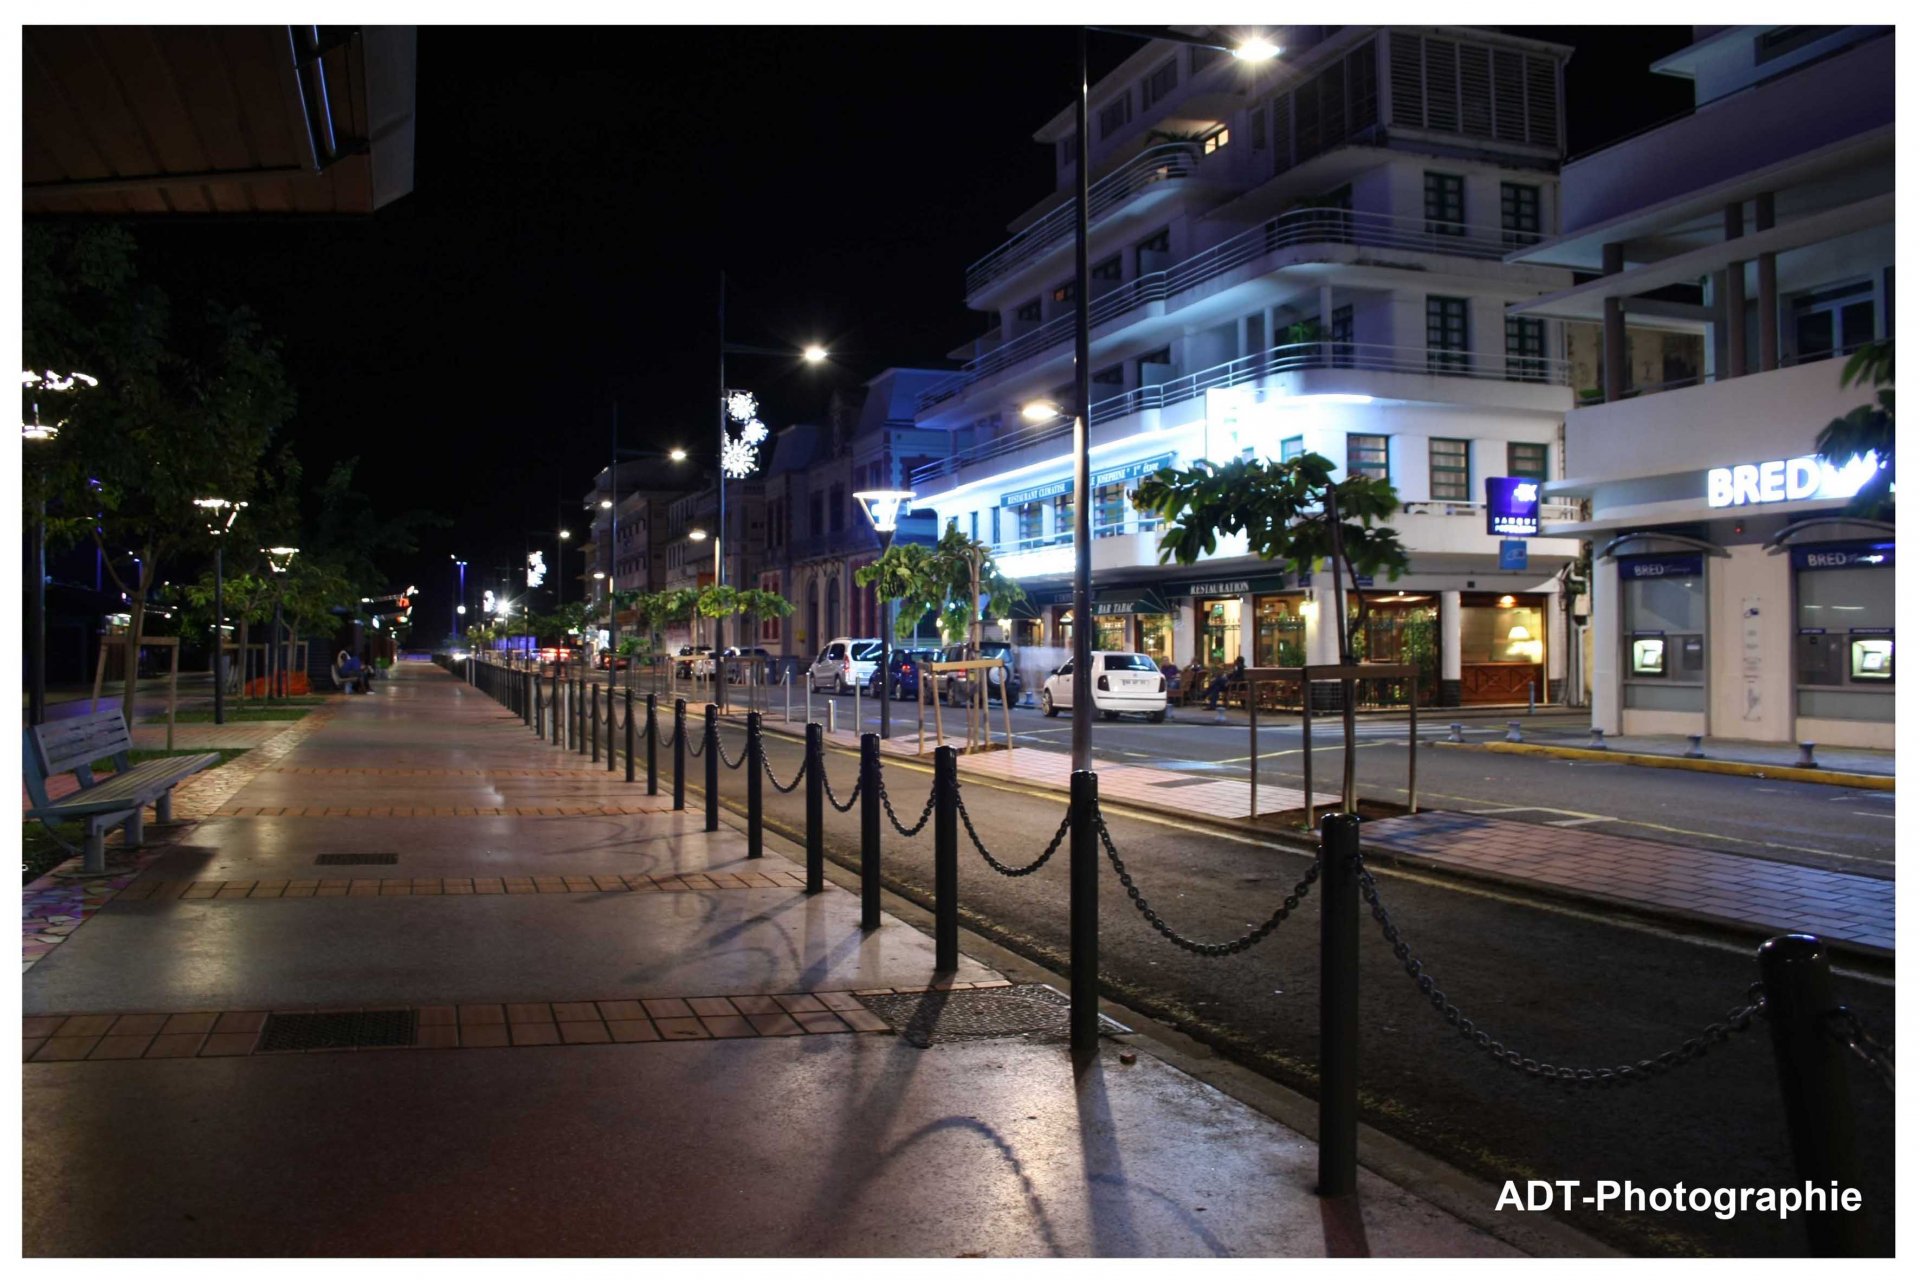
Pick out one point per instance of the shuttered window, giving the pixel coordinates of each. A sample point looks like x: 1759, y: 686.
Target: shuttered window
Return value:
x: 1474, y: 90
x: 1447, y: 469
x: 1339, y: 104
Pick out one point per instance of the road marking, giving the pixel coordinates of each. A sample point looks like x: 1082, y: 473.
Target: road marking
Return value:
x: 1865, y: 813
x: 1331, y: 746
x: 1577, y: 822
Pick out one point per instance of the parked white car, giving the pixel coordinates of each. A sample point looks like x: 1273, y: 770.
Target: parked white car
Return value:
x: 1123, y: 683
x: 844, y: 663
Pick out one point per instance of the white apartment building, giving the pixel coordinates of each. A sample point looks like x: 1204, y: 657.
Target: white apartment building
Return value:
x: 1304, y: 255
x: 1731, y: 596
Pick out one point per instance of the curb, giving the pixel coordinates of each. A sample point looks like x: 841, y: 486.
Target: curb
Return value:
x: 1736, y: 768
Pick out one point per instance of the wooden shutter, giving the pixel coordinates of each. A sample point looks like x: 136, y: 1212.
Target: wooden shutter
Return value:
x: 1543, y: 103
x: 1476, y: 91
x: 1443, y: 86
x: 1509, y: 96
x: 1406, y: 80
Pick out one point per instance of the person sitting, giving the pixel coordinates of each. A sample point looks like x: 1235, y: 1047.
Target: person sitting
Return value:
x: 351, y: 674
x: 1236, y: 673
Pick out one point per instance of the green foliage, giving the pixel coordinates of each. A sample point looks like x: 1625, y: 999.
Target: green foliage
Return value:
x: 1866, y: 428
x: 718, y: 601
x: 764, y: 604
x: 956, y: 579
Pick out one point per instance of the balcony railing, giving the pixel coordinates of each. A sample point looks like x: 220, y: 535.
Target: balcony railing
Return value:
x: 1150, y: 168
x: 1287, y: 230
x: 1590, y: 396
x: 1556, y: 512
x: 1290, y: 358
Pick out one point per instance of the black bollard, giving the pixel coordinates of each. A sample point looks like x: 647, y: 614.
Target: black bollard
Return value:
x: 1083, y: 915
x: 816, y: 801
x: 553, y: 708
x: 679, y: 753
x: 1812, y: 1066
x: 869, y: 831
x: 580, y: 715
x: 539, y: 710
x: 712, y: 737
x: 1339, y: 1002
x: 946, y: 861
x: 629, y: 739
x: 593, y: 720
x: 610, y: 727
x: 756, y: 756
x: 653, y: 745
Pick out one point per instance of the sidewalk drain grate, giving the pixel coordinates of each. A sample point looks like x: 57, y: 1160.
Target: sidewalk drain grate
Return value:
x: 924, y: 1018
x: 370, y: 1029
x: 356, y: 860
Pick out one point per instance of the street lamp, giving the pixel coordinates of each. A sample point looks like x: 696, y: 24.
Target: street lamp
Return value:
x: 220, y: 517
x: 461, y: 606
x: 884, y: 508
x: 279, y: 560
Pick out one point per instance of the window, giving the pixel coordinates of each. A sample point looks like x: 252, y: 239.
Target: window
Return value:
x: 993, y: 518
x: 1164, y: 356
x: 1115, y: 115
x: 1213, y: 141
x: 1447, y: 470
x: 1143, y: 259
x: 1446, y: 335
x: 1027, y: 311
x: 1256, y: 334
x: 1665, y: 621
x: 770, y: 622
x: 1844, y: 639
x: 1526, y: 349
x: 1781, y: 41
x: 1066, y: 292
x: 1157, y: 86
x: 837, y: 509
x: 815, y: 525
x: 1292, y: 447
x: 1453, y: 87
x: 1107, y: 270
x: 1527, y: 461
x: 1833, y: 321
x: 1340, y: 337
x: 1029, y: 526
x: 1109, y: 510
x: 1338, y: 105
x: 973, y: 525
x: 1066, y: 149
x: 1063, y: 518
x: 1111, y: 376
x: 1367, y: 456
x: 1519, y: 214
x: 1446, y: 204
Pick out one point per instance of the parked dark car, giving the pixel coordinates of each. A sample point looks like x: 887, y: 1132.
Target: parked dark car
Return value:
x: 749, y: 672
x: 906, y: 673
x: 1003, y: 685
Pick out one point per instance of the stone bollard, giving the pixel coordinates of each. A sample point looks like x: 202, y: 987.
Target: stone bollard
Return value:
x: 1599, y: 741
x: 1456, y: 732
x: 1806, y: 760
x: 1513, y: 731
x: 1693, y: 751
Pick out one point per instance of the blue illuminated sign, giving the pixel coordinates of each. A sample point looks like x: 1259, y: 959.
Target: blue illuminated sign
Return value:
x: 1513, y: 553
x: 1674, y: 566
x: 1112, y: 475
x: 1513, y: 506
x: 1844, y: 555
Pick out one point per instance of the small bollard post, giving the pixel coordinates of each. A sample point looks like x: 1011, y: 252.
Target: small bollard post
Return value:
x: 1598, y: 742
x: 1513, y: 731
x: 629, y: 737
x: 712, y: 751
x: 593, y: 720
x: 527, y: 682
x: 1083, y: 916
x: 869, y: 831
x: 1456, y: 732
x: 1806, y: 760
x: 553, y: 708
x: 653, y: 744
x: 831, y: 708
x: 539, y: 722
x: 1693, y: 751
x: 816, y: 802
x: 679, y: 753
x: 946, y: 861
x: 1812, y: 1067
x: 1529, y: 697
x: 756, y: 767
x: 1339, y: 1003
x: 610, y: 701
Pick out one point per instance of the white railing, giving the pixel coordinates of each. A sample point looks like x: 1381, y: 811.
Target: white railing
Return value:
x: 1290, y: 358
x: 1148, y: 169
x: 1557, y: 512
x: 1285, y: 231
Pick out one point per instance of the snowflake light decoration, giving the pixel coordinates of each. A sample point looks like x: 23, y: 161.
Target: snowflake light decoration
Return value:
x: 741, y: 406
x: 737, y: 460
x: 754, y: 432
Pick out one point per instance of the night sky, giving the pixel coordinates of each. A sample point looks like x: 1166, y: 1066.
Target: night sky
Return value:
x: 577, y: 193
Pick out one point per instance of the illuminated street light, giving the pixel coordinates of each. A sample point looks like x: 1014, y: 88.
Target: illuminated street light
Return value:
x: 1039, y: 410
x: 677, y: 454
x: 814, y: 354
x: 220, y: 517
x: 1256, y: 49
x: 696, y: 535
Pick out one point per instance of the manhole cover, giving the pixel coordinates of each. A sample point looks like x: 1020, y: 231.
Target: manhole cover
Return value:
x: 356, y: 860
x: 922, y: 1018
x: 371, y: 1029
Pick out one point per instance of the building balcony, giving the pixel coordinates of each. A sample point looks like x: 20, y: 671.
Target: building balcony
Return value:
x: 1301, y: 369
x: 1301, y: 235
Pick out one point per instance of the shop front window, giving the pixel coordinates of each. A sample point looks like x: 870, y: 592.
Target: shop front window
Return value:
x: 1280, y: 633
x: 1844, y: 629
x: 1156, y: 637
x: 1219, y: 631
x: 1110, y: 633
x: 1664, y: 621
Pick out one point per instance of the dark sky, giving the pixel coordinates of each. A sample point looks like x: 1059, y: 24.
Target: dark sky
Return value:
x: 577, y: 193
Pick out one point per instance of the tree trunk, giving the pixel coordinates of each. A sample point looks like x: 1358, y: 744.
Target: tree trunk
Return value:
x: 245, y: 635
x: 136, y: 624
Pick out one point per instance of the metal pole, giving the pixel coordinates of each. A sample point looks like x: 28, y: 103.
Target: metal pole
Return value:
x: 886, y: 649
x: 756, y: 755
x: 593, y: 720
x: 816, y: 801
x: 1339, y: 1003
x: 712, y: 751
x: 719, y: 474
x: 1083, y: 913
x: 1306, y: 741
x: 946, y: 860
x: 869, y: 831
x: 679, y: 753
x: 1253, y: 748
x: 1413, y: 745
x: 219, y: 634
x: 610, y: 700
x: 653, y: 745
x: 1812, y: 1066
x: 629, y: 734
x: 1082, y: 441
x: 553, y: 706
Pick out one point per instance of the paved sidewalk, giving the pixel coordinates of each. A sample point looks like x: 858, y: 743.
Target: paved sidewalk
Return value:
x: 1715, y: 753
x: 630, y: 1040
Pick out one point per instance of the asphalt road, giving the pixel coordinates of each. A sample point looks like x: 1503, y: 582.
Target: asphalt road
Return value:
x: 1836, y: 828
x: 1563, y: 985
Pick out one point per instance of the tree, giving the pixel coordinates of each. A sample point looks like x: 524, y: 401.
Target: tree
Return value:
x: 1292, y: 512
x: 184, y: 408
x: 246, y: 597
x: 1865, y: 430
x: 956, y: 580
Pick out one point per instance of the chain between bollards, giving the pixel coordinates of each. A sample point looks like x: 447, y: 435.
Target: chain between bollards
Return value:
x: 946, y: 860
x: 756, y: 752
x: 1339, y: 1003
x: 815, y: 769
x: 869, y: 831
x: 1083, y: 916
x: 679, y: 753
x: 711, y: 734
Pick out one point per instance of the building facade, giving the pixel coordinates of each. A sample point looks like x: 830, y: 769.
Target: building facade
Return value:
x: 1305, y: 255
x: 1732, y: 596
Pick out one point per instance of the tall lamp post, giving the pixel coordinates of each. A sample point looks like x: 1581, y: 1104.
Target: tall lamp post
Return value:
x: 883, y: 508
x: 220, y: 517
x: 40, y: 433
x: 460, y: 601
x: 279, y: 560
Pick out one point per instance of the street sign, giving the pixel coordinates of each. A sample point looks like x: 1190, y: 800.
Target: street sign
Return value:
x: 1513, y: 553
x: 1513, y: 506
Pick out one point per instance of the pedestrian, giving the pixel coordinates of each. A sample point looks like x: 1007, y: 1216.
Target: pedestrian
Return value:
x: 1237, y: 673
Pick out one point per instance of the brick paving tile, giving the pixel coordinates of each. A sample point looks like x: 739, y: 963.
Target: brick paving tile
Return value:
x: 632, y: 1030
x: 837, y: 999
x: 620, y: 1010
x: 30, y: 1046
x: 594, y: 1032
x: 300, y: 891
x: 710, y: 1006
x: 756, y: 1004
x: 799, y: 1004
x: 437, y: 1037
x: 534, y: 1033
x: 66, y: 1048
x: 727, y: 1026
x: 121, y: 1047
x: 234, y: 1023
x: 39, y: 1027
x: 529, y: 1013
x: 189, y: 1022
x: 483, y: 1036
x: 820, y: 1021
x: 175, y: 1045
x: 228, y: 1045
x: 488, y: 885
x: 657, y: 1009
x: 681, y: 1029
x: 672, y: 886
x: 863, y: 1020
x: 472, y: 1015
x: 576, y: 1011
x: 436, y: 1015
x: 775, y: 1024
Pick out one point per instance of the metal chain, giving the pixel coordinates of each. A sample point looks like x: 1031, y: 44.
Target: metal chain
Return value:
x: 833, y: 800
x: 720, y: 745
x: 1845, y: 1027
x: 766, y: 765
x: 1736, y: 1019
x: 886, y: 802
x: 1066, y: 824
x: 1241, y: 943
x: 697, y: 744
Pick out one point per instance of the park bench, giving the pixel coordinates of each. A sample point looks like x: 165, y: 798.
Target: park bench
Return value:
x: 71, y: 746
